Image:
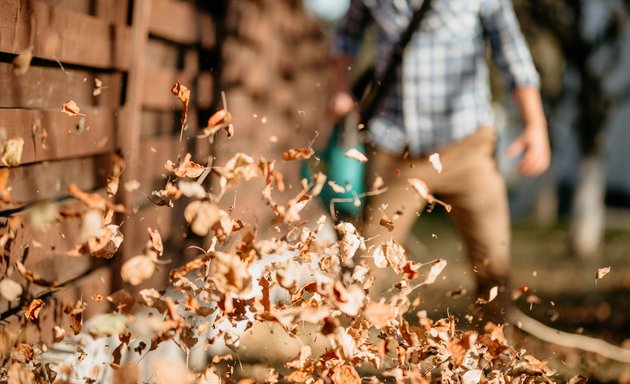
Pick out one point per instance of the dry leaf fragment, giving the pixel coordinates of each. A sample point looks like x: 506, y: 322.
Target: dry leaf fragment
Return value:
x: 378, y: 313
x: 185, y: 167
x: 355, y: 154
x: 137, y: 269
x: 494, y: 291
x: 435, y: 161
x: 472, y: 377
x: 12, y: 152
x: 601, y: 272
x: 183, y: 94
x: 118, y: 166
x: 22, y: 61
x: 221, y: 119
x: 58, y: 333
x: 22, y: 353
x: 98, y: 87
x: 336, y: 187
x: 298, y: 154
x: 32, y: 310
x: 423, y: 190
x: 437, y: 268
x: 71, y: 108
x: 346, y: 374
x: 10, y: 290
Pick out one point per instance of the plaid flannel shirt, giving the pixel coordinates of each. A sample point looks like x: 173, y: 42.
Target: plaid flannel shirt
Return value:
x: 442, y: 92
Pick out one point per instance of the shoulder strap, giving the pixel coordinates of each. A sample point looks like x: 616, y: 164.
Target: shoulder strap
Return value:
x: 379, y: 87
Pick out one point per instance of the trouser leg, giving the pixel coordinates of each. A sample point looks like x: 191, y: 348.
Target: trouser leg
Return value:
x: 478, y: 195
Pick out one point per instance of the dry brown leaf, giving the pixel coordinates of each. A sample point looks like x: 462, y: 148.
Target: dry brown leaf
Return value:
x: 170, y: 372
x: 155, y: 241
x: 494, y: 291
x: 185, y: 167
x: 12, y: 152
x: 221, y: 119
x: 435, y: 161
x: 5, y: 194
x: 137, y: 269
x: 98, y: 87
x: 22, y: 62
x: 601, y: 272
x: 355, y: 154
x: 379, y: 314
x: 10, y: 290
x: 33, y: 309
x: 346, y: 374
x: 113, y: 181
x: 71, y: 108
x: 336, y: 187
x: 437, y: 268
x: 58, y: 333
x: 183, y: 94
x: 202, y: 216
x: 22, y: 353
x: 298, y: 154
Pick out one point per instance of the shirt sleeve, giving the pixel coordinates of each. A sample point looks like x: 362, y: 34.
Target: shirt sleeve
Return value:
x: 509, y: 50
x: 349, y: 30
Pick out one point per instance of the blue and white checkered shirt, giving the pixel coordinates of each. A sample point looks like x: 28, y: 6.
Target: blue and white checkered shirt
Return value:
x: 442, y: 91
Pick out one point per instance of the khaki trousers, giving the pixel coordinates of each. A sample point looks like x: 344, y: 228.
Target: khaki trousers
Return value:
x: 471, y: 183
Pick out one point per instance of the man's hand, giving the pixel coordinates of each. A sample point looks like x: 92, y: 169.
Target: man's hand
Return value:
x: 341, y: 104
x: 534, y: 144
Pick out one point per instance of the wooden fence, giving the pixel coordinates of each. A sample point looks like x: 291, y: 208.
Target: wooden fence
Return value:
x: 117, y: 59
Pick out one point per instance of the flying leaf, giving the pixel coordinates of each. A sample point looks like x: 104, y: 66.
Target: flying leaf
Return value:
x: 472, y: 377
x: 137, y: 269
x: 10, y: 290
x: 355, y: 154
x: 435, y: 161
x: 437, y: 268
x: 378, y: 313
x: 298, y: 154
x: 346, y: 374
x: 601, y: 272
x: 71, y: 108
x: 22, y: 353
x: 494, y: 291
x: 336, y: 187
x: 183, y: 94
x: 98, y: 87
x: 185, y: 167
x: 22, y: 61
x: 12, y: 152
x: 32, y: 310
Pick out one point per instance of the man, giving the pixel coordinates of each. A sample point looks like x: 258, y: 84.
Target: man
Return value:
x: 441, y: 103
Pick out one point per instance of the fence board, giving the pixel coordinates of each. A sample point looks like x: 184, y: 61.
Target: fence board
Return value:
x: 50, y: 180
x: 50, y: 87
x: 174, y: 20
x: 66, y: 136
x: 64, y: 35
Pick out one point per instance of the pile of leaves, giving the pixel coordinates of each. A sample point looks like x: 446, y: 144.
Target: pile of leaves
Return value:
x: 218, y: 287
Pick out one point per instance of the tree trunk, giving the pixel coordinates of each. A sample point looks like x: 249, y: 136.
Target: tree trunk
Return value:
x: 587, y: 224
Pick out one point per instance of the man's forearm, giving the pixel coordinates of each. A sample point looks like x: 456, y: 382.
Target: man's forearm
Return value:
x: 341, y: 73
x: 530, y: 106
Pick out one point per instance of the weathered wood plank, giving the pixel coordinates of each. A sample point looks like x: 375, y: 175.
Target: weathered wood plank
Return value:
x: 50, y: 180
x: 174, y: 20
x: 50, y: 87
x: 157, y: 88
x: 208, y: 30
x: 64, y: 35
x: 52, y: 135
x: 205, y: 90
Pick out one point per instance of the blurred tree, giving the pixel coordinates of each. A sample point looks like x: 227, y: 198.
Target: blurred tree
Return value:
x: 576, y: 45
